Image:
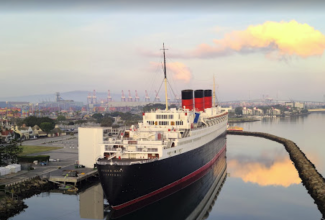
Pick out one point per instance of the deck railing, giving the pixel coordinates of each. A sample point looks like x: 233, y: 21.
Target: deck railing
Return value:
x: 121, y: 162
x: 110, y: 148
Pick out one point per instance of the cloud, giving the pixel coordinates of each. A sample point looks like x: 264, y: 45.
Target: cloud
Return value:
x: 179, y: 70
x: 277, y: 40
x: 280, y: 173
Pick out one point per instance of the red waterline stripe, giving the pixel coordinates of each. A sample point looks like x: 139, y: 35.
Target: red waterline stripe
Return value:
x: 177, y: 182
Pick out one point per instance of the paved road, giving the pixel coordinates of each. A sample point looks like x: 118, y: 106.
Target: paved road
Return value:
x: 67, y: 155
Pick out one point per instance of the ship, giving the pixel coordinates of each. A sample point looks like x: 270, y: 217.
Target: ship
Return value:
x: 191, y: 203
x: 166, y: 152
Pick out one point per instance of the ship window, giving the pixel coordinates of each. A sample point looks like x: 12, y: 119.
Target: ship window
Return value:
x: 164, y: 116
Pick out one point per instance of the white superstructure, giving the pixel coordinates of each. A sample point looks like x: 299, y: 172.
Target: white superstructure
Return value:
x: 162, y: 134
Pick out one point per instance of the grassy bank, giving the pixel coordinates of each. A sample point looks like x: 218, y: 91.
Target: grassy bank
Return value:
x: 235, y: 120
x: 36, y: 149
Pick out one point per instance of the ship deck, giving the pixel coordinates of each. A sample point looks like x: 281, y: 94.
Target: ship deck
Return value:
x: 116, y: 161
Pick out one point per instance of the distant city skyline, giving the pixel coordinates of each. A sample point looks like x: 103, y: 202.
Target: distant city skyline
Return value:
x: 275, y: 50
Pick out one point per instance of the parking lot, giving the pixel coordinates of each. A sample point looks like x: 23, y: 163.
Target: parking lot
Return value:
x: 67, y: 155
x: 67, y: 141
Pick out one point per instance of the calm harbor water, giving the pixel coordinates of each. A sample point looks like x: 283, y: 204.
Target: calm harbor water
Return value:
x: 261, y: 182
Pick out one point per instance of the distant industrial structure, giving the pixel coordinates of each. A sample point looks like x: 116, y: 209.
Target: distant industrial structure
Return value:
x: 59, y: 104
x: 126, y: 102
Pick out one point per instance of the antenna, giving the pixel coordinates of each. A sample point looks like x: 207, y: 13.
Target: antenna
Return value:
x: 166, y: 96
x: 214, y: 93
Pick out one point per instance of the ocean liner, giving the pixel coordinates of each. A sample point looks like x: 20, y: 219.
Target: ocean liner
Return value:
x: 193, y: 202
x: 167, y: 151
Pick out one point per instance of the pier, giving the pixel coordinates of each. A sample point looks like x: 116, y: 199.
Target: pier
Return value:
x: 311, y: 178
x: 316, y: 110
x: 62, y: 175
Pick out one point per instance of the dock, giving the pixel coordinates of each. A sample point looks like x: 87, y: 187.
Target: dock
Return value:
x: 62, y: 175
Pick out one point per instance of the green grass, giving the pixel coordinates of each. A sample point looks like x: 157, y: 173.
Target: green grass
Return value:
x: 36, y: 149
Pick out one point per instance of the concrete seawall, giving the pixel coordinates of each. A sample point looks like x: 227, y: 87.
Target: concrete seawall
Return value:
x: 311, y: 178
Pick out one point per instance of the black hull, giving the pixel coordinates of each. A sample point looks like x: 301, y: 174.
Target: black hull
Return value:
x: 127, y: 185
x: 192, y: 202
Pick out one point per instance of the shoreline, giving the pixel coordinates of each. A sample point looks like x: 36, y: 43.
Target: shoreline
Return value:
x: 260, y: 117
x: 242, y: 120
x: 12, y: 201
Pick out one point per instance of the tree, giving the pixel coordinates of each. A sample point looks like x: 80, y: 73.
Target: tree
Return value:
x: 107, y: 122
x: 47, y: 127
x: 61, y: 118
x: 11, y: 152
x: 151, y: 106
x: 98, y: 117
x: 239, y: 110
x: 31, y: 121
x: 18, y: 121
x: 71, y: 123
x: 80, y: 122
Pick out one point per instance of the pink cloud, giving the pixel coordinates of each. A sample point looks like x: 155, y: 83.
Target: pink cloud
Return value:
x: 277, y: 40
x: 179, y: 71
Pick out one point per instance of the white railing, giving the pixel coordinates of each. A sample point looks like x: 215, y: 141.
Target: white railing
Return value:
x: 121, y: 162
x: 132, y: 151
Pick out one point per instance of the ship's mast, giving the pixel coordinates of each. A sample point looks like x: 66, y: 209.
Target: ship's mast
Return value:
x: 214, y: 93
x: 165, y: 75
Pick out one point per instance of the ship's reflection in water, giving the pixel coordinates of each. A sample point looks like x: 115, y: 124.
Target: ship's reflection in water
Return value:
x: 91, y: 205
x: 192, y: 202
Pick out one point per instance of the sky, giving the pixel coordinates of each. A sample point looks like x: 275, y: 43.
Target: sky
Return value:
x: 252, y: 48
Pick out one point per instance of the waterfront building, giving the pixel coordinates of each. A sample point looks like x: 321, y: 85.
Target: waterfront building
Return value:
x: 273, y: 111
x: 258, y: 111
x: 91, y: 143
x: 247, y: 111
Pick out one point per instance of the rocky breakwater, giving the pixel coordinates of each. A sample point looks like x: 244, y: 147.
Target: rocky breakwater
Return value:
x: 11, y: 200
x: 311, y: 178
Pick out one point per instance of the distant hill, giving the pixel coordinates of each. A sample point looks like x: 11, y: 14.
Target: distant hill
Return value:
x: 77, y: 96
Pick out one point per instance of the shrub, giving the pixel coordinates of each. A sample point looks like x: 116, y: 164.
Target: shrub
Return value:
x: 31, y: 159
